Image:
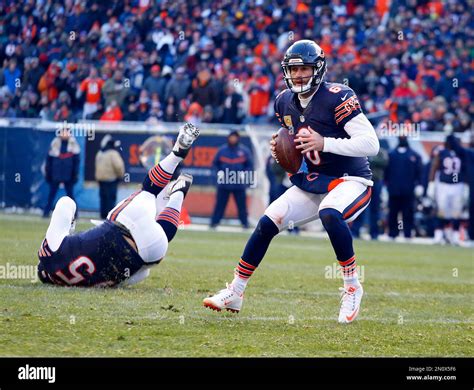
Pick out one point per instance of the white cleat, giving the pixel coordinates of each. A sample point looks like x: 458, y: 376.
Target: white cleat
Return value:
x: 350, y: 303
x: 182, y: 183
x: 188, y: 133
x: 225, y: 299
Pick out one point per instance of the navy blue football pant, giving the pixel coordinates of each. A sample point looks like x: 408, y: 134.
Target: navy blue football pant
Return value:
x: 222, y: 197
x: 405, y: 205
x: 108, y: 197
x: 372, y: 212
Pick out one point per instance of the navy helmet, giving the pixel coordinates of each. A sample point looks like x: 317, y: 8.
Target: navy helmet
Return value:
x: 308, y: 53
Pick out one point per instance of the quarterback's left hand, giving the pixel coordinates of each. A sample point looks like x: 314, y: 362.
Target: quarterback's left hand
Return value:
x: 309, y: 142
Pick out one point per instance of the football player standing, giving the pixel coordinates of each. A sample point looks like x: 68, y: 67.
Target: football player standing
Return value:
x: 446, y: 187
x: 336, y: 187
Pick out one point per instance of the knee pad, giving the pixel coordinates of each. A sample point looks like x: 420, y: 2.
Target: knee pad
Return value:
x: 330, y: 218
x: 277, y: 211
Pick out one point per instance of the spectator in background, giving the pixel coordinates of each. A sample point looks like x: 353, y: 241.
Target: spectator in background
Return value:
x: 112, y: 113
x: 435, y: 54
x: 32, y: 73
x: 25, y: 111
x: 233, y: 105
x: 178, y: 88
x: 5, y: 110
x: 233, y: 164
x: 195, y: 113
x: 402, y: 176
x: 378, y: 165
x: 12, y: 76
x: 48, y: 110
x: 63, y: 113
x: 258, y: 89
x: 109, y: 170
x: 131, y: 113
x: 92, y: 87
x: 204, y: 91
x: 47, y: 83
x: 115, y: 89
x: 170, y: 114
x: 155, y: 83
x: 62, y: 166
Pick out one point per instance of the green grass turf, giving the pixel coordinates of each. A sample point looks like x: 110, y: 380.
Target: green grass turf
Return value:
x: 414, y: 305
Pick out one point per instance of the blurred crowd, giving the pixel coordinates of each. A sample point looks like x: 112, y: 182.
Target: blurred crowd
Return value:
x: 219, y: 61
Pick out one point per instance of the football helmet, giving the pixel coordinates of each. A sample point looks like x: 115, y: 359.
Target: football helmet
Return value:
x: 308, y: 53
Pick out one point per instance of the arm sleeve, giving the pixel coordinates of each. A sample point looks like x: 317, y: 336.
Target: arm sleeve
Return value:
x: 363, y: 141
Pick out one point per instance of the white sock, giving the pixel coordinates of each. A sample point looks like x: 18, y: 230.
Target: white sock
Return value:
x: 162, y: 199
x: 176, y: 201
x: 170, y: 162
x: 239, y: 284
x: 352, y: 280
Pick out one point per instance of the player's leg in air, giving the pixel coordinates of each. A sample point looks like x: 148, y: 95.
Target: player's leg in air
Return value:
x: 134, y: 237
x: 297, y: 207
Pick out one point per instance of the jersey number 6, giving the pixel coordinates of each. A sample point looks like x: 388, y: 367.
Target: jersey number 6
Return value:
x: 73, y: 269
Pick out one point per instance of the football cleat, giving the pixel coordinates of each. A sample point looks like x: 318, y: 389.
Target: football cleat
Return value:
x: 350, y: 303
x: 225, y: 299
x: 182, y: 183
x: 186, y: 136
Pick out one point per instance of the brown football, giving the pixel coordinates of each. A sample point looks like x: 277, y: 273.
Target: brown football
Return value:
x: 286, y: 154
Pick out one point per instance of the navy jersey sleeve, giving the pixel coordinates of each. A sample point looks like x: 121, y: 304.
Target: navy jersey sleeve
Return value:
x: 345, y: 104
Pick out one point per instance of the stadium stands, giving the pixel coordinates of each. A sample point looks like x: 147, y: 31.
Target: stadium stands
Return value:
x: 173, y: 60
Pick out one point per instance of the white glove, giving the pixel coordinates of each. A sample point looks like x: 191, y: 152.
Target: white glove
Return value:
x: 430, y: 191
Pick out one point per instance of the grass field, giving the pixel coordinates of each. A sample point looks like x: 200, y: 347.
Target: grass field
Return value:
x: 418, y: 302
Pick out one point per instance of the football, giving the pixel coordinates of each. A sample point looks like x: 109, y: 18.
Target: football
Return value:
x: 286, y: 154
